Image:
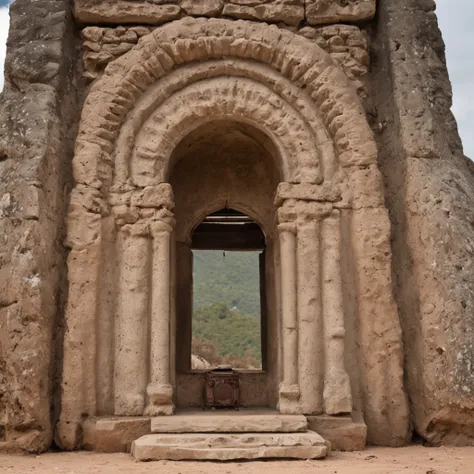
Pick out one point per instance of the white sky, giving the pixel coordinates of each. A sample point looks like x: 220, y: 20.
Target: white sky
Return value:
x: 456, y: 18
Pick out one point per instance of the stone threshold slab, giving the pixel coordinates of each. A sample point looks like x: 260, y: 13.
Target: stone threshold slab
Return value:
x: 235, y: 422
x: 225, y: 447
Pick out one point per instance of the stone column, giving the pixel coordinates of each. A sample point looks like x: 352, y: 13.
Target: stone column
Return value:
x: 311, y: 341
x: 131, y: 327
x: 337, y: 390
x: 289, y: 389
x: 160, y: 390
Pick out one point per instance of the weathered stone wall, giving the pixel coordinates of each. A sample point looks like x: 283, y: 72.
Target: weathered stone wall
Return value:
x: 346, y: 44
x: 37, y: 111
x: 291, y: 12
x: 430, y: 193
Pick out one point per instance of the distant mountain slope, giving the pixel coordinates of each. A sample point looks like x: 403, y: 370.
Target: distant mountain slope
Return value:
x: 228, y: 277
x: 233, y: 334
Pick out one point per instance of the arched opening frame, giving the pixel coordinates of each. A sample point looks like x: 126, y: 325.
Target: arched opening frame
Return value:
x: 331, y: 223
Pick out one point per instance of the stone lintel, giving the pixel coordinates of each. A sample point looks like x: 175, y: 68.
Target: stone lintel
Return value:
x: 122, y: 12
x: 223, y: 422
x: 225, y: 447
x: 328, y: 192
x: 343, y: 433
x: 158, y: 12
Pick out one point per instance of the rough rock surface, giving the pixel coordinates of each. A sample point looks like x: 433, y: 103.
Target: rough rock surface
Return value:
x: 37, y: 109
x: 331, y: 215
x: 114, y: 435
x: 290, y: 12
x: 346, y: 44
x: 430, y: 193
x: 333, y: 11
x: 342, y: 432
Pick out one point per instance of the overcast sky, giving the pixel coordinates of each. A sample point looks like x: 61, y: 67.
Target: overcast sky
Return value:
x: 456, y: 19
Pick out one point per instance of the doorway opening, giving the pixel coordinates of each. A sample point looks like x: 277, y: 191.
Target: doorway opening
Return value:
x: 228, y: 292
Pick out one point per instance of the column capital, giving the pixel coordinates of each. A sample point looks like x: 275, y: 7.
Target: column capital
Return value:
x: 298, y: 210
x: 287, y: 227
x: 329, y: 191
x: 157, y: 197
x: 139, y: 229
x: 160, y: 227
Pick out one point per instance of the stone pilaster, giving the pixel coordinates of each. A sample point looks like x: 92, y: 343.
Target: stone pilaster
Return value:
x: 160, y: 390
x: 289, y: 388
x: 337, y: 389
x: 131, y: 341
x: 310, y: 341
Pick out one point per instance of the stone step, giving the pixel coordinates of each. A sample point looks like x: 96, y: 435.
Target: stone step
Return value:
x: 229, y: 446
x: 229, y: 422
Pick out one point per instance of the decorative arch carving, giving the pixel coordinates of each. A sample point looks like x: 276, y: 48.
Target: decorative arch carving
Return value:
x: 279, y: 73
x: 277, y: 86
x: 213, y: 99
x: 295, y: 58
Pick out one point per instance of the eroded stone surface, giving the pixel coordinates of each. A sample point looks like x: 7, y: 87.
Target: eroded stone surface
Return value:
x: 37, y: 109
x: 347, y: 45
x: 431, y: 211
x: 114, y: 435
x: 332, y: 11
x: 229, y: 423
x: 229, y: 446
x: 343, y: 433
x: 196, y: 115
x: 157, y: 12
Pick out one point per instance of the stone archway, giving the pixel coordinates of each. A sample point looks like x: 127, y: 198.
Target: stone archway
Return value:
x: 220, y: 165
x: 330, y: 216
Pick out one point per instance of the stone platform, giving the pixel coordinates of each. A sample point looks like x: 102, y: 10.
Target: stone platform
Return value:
x: 242, y: 421
x: 226, y: 435
x: 229, y: 446
x: 262, y: 433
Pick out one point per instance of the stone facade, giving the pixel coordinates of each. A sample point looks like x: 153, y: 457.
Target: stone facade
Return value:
x: 334, y: 135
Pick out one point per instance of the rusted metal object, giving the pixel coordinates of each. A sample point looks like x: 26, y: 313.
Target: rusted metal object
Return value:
x: 222, y: 388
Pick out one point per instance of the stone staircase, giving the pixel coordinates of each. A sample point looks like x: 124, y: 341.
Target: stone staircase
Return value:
x: 226, y: 435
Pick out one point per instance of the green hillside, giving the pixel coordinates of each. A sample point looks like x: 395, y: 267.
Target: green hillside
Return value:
x: 235, y: 336
x: 226, y: 319
x: 228, y: 277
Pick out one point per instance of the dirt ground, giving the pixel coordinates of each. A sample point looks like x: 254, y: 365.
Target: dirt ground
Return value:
x: 410, y: 460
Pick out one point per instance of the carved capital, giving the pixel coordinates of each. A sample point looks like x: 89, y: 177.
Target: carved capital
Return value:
x: 287, y: 227
x: 298, y: 210
x: 157, y: 197
x: 326, y: 192
x: 139, y: 229
x: 124, y: 214
x: 160, y: 227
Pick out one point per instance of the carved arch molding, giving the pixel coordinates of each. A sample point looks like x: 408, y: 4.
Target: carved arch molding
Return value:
x: 341, y: 340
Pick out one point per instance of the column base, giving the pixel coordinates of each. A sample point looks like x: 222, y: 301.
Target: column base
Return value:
x: 288, y: 403
x: 68, y: 435
x: 160, y: 400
